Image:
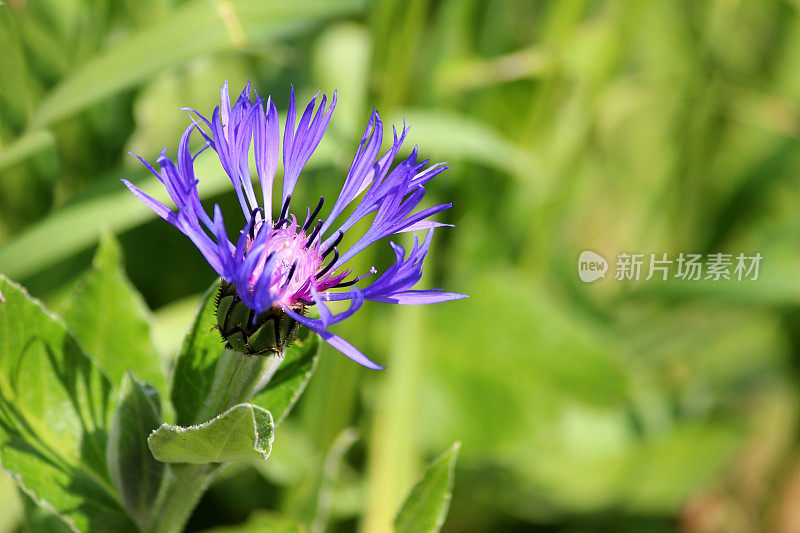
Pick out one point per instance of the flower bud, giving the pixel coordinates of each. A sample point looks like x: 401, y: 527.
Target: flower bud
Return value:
x: 270, y: 332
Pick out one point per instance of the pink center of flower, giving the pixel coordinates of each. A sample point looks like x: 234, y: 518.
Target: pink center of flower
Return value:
x: 295, y: 264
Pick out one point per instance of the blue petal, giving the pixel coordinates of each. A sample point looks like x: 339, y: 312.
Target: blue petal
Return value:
x: 336, y: 341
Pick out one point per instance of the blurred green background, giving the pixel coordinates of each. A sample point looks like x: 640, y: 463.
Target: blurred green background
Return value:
x: 615, y: 126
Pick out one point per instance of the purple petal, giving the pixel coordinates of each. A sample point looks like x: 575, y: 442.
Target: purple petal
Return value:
x: 266, y: 141
x: 424, y: 225
x: 336, y: 341
x: 299, y: 144
x: 419, y: 297
x: 157, y: 207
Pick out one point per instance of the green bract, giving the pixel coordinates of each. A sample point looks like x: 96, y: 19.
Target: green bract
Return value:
x: 270, y: 332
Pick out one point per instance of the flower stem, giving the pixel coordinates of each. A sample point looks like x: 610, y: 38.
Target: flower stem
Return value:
x: 184, y: 487
x: 236, y: 379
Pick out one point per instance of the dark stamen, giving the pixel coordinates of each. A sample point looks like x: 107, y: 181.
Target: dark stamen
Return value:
x: 314, y: 234
x: 285, y: 209
x: 314, y: 214
x: 291, y: 273
x: 280, y: 223
x: 330, y: 265
x: 253, y: 221
x: 336, y: 241
x: 346, y: 283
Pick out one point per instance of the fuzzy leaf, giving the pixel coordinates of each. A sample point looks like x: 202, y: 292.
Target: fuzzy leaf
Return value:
x: 110, y: 320
x: 54, y: 410
x: 243, y: 431
x: 426, y: 507
x: 291, y: 378
x: 134, y: 471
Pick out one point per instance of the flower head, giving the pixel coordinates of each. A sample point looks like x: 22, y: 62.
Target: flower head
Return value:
x: 279, y: 266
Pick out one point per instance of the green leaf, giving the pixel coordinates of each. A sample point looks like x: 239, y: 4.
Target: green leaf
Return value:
x: 174, y: 40
x: 176, y: 316
x: 243, y: 431
x: 42, y: 520
x: 110, y: 320
x: 12, y: 503
x: 426, y: 507
x: 17, y: 86
x: 197, y: 362
x: 134, y: 471
x: 291, y: 378
x: 26, y: 146
x: 54, y: 408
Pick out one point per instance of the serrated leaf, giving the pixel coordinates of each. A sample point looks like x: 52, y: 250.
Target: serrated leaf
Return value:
x: 291, y: 378
x: 110, y: 320
x: 426, y: 507
x: 54, y: 410
x: 42, y: 520
x: 133, y: 469
x: 243, y: 431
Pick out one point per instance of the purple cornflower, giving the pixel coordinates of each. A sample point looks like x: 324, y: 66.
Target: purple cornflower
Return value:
x: 279, y: 265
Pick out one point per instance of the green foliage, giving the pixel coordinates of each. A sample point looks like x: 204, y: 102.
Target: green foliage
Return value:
x: 243, y: 431
x: 110, y: 320
x: 453, y: 136
x: 425, y: 509
x: 136, y: 474
x: 197, y: 362
x: 263, y: 523
x: 174, y: 41
x: 55, y: 406
x: 84, y: 457
x: 613, y: 126
x: 290, y: 379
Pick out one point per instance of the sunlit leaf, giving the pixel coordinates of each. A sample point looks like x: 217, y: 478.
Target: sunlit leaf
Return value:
x: 11, y: 501
x: 425, y: 509
x: 243, y: 431
x: 111, y: 321
x: 54, y: 410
